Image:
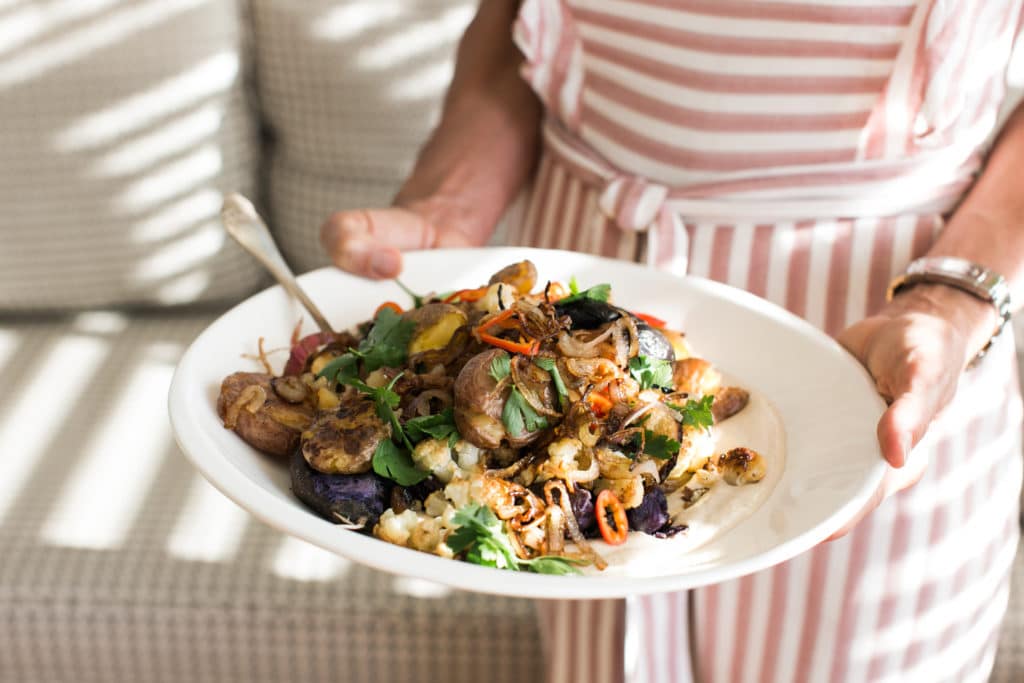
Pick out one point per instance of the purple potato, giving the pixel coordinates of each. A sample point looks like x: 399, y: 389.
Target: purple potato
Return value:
x: 651, y: 515
x: 358, y: 499
x: 583, y: 507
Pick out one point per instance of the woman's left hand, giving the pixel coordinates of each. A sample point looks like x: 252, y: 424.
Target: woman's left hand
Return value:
x: 916, y: 349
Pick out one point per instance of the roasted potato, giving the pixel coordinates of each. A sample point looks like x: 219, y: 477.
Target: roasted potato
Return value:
x: 270, y: 425
x: 343, y: 441
x: 522, y: 276
x: 479, y: 400
x: 435, y: 325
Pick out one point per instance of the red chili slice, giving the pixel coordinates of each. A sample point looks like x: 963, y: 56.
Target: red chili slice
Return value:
x: 607, y: 502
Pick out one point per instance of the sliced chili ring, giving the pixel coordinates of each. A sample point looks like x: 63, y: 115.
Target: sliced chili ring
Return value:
x: 388, y: 304
x: 608, y: 502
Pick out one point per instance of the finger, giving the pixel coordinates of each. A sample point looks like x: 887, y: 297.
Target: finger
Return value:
x: 855, y: 338
x: 369, y: 242
x: 902, y: 426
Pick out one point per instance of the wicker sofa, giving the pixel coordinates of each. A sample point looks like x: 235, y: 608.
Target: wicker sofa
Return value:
x: 124, y: 122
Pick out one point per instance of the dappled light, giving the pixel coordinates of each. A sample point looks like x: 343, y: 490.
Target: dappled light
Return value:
x: 419, y: 588
x: 60, y: 377
x: 412, y: 41
x: 107, y: 487
x: 52, y: 54
x: 209, y: 527
x: 303, y: 561
x: 351, y: 19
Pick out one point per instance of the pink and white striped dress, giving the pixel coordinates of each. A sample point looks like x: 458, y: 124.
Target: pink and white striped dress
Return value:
x: 805, y: 150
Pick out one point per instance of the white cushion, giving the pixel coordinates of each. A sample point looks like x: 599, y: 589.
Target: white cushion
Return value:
x: 349, y: 90
x: 118, y: 562
x: 123, y: 123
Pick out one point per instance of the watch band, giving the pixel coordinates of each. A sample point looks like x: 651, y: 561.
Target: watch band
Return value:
x: 963, y: 275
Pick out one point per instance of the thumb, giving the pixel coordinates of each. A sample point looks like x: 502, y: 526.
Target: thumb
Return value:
x: 902, y: 426
x: 368, y: 242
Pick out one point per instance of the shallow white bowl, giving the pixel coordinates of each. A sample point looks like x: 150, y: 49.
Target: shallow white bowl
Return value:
x: 826, y: 401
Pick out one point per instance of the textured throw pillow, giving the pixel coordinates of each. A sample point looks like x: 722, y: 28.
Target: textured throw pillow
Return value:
x: 124, y: 121
x: 349, y: 90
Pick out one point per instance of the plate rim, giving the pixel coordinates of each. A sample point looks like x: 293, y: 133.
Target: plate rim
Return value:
x: 279, y: 514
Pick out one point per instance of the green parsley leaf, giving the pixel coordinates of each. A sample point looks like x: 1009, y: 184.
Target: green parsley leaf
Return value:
x: 385, y: 400
x: 482, y: 537
x: 552, y: 564
x: 519, y: 416
x: 417, y: 300
x: 396, y: 464
x: 651, y: 372
x: 345, y: 366
x: 545, y: 363
x: 387, y: 344
x: 696, y: 413
x: 599, y: 292
x: 659, y: 446
x: 501, y: 367
x: 440, y: 426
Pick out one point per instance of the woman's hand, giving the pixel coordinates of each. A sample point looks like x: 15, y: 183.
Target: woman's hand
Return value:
x: 369, y: 242
x: 477, y: 159
x: 916, y: 349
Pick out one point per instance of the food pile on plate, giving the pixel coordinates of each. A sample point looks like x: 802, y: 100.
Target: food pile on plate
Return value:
x: 499, y: 425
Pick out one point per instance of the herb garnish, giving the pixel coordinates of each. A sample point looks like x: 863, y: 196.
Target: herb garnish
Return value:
x: 651, y: 372
x: 396, y: 464
x: 440, y: 426
x: 417, y: 300
x: 696, y: 413
x: 545, y: 363
x: 482, y: 537
x: 599, y: 292
x: 657, y: 445
x: 386, y: 345
x: 519, y: 416
x: 501, y: 367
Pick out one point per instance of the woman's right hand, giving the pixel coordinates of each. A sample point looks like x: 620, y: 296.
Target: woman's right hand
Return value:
x: 480, y: 155
x: 370, y: 242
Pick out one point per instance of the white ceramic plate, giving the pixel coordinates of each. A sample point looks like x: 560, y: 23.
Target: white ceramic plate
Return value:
x: 825, y: 400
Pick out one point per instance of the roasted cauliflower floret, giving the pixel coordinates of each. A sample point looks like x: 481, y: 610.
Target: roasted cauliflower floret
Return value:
x: 435, y: 456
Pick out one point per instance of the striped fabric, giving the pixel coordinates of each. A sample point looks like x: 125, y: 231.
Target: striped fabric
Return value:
x: 804, y: 151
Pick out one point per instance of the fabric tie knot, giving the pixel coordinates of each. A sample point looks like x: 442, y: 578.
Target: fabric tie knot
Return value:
x: 632, y: 202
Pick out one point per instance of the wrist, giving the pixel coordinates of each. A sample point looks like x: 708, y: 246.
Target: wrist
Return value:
x: 976, y: 320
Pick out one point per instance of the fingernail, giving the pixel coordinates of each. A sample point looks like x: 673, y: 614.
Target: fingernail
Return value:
x: 385, y: 263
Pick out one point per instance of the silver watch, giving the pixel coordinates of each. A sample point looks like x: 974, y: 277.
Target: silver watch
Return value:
x: 965, y: 276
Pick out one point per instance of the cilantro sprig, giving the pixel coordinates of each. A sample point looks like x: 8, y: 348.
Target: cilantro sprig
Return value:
x: 440, y: 426
x: 396, y: 464
x: 599, y: 292
x: 394, y: 460
x: 417, y: 299
x: 545, y: 363
x: 696, y: 413
x: 656, y: 445
x: 501, y: 367
x: 482, y: 537
x: 386, y: 346
x: 519, y: 416
x: 651, y: 372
